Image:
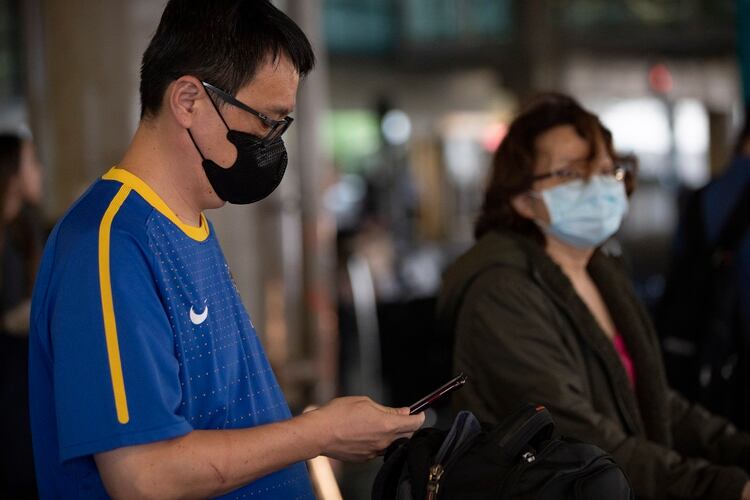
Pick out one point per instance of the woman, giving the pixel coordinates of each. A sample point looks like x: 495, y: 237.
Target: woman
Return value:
x: 541, y: 313
x: 20, y: 249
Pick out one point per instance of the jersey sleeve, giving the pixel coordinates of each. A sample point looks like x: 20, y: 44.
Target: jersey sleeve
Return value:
x: 116, y: 375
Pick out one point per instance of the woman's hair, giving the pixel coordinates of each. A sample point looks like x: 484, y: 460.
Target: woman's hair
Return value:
x: 513, y: 163
x: 10, y: 162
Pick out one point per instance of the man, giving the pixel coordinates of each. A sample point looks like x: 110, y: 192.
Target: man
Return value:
x: 147, y: 377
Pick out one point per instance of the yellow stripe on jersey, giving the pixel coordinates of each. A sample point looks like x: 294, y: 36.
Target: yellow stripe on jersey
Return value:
x: 134, y: 182
x: 108, y: 309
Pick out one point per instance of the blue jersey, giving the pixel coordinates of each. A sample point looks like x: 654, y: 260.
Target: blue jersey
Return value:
x: 138, y: 335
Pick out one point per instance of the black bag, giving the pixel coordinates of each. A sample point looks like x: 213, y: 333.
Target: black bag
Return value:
x: 706, y: 352
x: 516, y: 459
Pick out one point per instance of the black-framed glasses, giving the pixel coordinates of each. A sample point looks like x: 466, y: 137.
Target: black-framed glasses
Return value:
x: 618, y: 172
x: 275, y: 127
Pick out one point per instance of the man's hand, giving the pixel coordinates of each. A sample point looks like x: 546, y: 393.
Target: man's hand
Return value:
x: 358, y: 429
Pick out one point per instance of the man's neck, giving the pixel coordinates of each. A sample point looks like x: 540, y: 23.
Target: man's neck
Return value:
x: 154, y: 158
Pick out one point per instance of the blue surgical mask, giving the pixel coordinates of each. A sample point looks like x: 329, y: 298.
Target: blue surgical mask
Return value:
x: 585, y: 213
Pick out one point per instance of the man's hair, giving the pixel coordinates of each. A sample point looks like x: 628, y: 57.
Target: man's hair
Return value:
x: 223, y: 42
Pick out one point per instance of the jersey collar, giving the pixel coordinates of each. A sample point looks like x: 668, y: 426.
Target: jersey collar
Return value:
x: 132, y: 181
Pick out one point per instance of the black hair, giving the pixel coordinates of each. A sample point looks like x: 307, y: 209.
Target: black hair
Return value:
x: 223, y: 42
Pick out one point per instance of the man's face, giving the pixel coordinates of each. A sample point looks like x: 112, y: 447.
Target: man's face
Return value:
x: 272, y: 92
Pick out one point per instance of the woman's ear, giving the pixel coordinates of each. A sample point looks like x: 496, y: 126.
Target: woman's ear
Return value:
x: 184, y: 96
x: 525, y: 206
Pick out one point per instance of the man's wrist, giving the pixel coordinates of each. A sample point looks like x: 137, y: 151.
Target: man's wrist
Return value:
x: 315, y: 430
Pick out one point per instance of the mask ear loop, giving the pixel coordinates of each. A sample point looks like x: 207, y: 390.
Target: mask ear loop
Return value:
x: 536, y: 195
x: 216, y: 108
x: 220, y: 116
x: 203, y: 158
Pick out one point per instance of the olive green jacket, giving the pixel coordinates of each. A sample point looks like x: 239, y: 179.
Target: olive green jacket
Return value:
x: 522, y: 333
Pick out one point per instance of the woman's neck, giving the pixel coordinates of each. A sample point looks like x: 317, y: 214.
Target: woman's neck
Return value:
x: 572, y: 260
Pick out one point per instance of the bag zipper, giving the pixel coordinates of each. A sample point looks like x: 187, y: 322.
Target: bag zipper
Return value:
x: 433, y: 481
x: 437, y: 470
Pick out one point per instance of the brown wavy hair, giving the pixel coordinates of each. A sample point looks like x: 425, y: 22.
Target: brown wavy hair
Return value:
x: 513, y: 162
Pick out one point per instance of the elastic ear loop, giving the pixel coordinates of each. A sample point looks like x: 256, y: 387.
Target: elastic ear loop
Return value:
x: 220, y: 116
x: 203, y: 158
x: 539, y: 222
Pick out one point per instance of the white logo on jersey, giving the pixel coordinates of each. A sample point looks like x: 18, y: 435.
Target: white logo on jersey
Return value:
x: 196, y: 318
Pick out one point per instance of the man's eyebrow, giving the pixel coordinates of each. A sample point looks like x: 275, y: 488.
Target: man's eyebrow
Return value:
x: 281, y: 111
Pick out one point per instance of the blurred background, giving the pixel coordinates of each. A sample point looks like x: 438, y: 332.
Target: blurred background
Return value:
x: 390, y: 150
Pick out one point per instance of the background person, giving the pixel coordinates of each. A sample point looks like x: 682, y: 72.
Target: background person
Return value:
x: 703, y: 316
x: 541, y: 313
x: 21, y: 239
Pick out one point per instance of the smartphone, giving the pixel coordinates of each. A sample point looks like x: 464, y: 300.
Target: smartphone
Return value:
x: 448, y: 387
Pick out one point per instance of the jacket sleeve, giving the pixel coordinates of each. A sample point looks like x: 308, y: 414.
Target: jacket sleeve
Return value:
x: 698, y: 432
x: 508, y: 342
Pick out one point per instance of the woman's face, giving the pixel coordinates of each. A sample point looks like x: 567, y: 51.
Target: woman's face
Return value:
x: 561, y: 156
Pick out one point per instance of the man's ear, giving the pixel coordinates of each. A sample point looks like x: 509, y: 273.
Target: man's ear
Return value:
x: 523, y: 204
x: 183, y: 96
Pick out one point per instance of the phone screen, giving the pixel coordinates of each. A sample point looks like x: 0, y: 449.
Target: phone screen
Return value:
x: 450, y: 386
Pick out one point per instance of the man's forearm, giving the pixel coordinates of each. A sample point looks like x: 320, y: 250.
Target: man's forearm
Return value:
x: 208, y: 463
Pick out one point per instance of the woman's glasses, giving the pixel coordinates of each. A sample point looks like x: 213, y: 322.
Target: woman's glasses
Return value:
x: 618, y: 172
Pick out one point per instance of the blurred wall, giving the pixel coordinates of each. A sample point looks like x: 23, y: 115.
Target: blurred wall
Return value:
x: 82, y: 63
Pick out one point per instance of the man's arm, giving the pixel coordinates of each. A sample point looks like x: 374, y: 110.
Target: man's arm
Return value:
x: 209, y: 463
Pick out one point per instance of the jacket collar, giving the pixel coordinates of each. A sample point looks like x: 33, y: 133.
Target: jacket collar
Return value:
x: 643, y: 411
x: 639, y: 334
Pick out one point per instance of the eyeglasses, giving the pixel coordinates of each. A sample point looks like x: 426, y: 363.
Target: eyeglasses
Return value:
x: 571, y: 174
x: 275, y: 127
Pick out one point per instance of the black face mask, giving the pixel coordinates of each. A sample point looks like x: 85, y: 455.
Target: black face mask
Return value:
x: 255, y: 174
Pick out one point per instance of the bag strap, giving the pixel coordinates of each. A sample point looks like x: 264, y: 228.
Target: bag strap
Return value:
x: 529, y: 425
